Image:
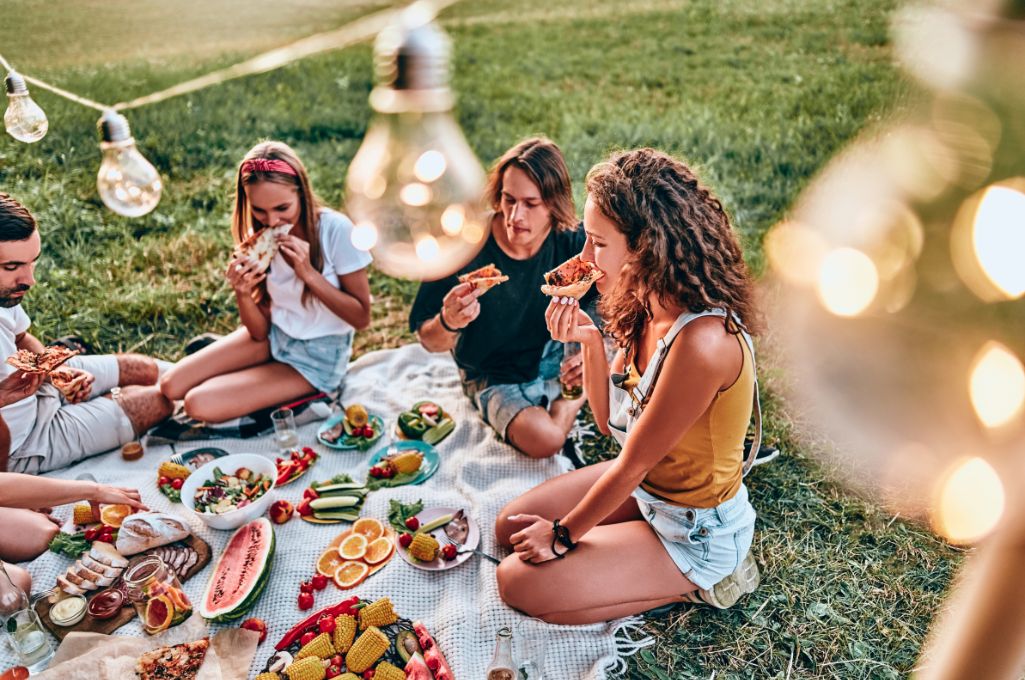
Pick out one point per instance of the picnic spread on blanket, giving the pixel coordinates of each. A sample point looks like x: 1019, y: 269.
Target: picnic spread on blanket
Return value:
x: 298, y: 545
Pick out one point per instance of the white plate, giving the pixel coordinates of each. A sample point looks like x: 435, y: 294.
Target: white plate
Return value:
x: 438, y: 564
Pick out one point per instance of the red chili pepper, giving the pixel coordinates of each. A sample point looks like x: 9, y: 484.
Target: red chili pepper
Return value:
x: 343, y: 607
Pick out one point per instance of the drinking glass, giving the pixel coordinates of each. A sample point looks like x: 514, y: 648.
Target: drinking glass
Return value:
x: 285, y: 434
x: 531, y: 648
x: 570, y: 349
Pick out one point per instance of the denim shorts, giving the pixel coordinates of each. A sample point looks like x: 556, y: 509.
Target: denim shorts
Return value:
x: 498, y: 404
x: 707, y: 544
x: 322, y: 361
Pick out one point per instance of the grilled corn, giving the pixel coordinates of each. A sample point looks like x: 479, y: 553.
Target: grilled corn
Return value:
x: 368, y: 648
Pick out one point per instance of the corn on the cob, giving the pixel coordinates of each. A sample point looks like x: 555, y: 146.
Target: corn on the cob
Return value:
x: 83, y: 514
x: 408, y: 462
x: 173, y: 470
x: 348, y: 676
x: 345, y: 632
x: 380, y: 613
x: 424, y: 547
x: 369, y: 647
x: 267, y: 676
x: 309, y: 668
x: 386, y: 671
x: 319, y: 647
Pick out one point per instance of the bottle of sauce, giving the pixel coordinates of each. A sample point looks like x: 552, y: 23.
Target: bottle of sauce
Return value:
x: 501, y: 667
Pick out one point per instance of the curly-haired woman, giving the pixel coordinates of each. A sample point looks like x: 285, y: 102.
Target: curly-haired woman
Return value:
x: 668, y: 520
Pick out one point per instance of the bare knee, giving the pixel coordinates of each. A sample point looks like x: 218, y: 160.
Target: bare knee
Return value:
x: 504, y: 527
x: 173, y: 384
x: 137, y: 369
x: 535, y: 442
x: 145, y: 406
x: 202, y: 405
x: 516, y: 584
x: 26, y: 535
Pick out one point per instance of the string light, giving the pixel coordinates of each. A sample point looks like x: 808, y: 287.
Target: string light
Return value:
x: 414, y: 187
x: 128, y: 184
x: 899, y: 266
x: 23, y: 120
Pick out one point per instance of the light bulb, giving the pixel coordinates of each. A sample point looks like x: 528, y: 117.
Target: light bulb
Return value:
x: 128, y: 184
x: 414, y: 188
x: 24, y: 120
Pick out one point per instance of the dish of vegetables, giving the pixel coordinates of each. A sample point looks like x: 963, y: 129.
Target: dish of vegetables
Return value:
x: 227, y: 492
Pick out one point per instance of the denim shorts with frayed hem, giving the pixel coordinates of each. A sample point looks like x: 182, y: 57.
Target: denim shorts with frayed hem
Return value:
x: 322, y: 361
x: 707, y: 544
x: 499, y: 403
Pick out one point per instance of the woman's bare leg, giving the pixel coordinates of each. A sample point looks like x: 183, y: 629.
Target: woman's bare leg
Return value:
x: 235, y: 394
x: 556, y: 497
x: 540, y: 433
x: 25, y: 534
x: 616, y: 570
x: 233, y: 352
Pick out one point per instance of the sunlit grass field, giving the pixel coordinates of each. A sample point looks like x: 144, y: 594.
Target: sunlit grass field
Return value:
x: 757, y: 94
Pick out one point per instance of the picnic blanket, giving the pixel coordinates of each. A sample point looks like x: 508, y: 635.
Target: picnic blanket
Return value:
x: 478, y: 472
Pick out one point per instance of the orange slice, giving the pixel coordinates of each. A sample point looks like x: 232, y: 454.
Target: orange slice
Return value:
x: 378, y: 551
x: 329, y: 562
x: 354, y: 547
x: 113, y: 515
x: 369, y: 527
x: 179, y: 599
x: 351, y: 574
x: 337, y: 540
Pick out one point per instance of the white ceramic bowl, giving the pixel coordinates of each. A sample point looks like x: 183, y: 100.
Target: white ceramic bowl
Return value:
x: 232, y: 519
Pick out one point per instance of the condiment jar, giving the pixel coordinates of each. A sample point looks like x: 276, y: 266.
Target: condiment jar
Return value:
x: 153, y: 588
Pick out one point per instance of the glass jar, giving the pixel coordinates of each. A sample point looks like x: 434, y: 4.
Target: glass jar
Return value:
x: 155, y: 592
x: 24, y: 630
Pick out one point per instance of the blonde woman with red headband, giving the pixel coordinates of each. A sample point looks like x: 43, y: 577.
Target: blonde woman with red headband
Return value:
x: 298, y: 316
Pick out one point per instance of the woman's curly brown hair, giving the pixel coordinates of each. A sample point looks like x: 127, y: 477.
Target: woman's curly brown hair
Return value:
x: 681, y: 247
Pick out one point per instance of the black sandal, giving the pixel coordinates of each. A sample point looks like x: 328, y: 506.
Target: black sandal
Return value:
x: 74, y: 342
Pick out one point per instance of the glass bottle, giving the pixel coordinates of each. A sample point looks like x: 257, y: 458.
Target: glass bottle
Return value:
x: 154, y: 590
x: 569, y: 350
x: 501, y: 667
x: 28, y: 639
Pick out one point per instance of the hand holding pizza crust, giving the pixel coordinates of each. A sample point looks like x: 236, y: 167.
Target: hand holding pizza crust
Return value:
x: 75, y: 383
x: 460, y: 306
x: 568, y: 323
x: 19, y: 385
x: 244, y: 275
x: 297, y: 253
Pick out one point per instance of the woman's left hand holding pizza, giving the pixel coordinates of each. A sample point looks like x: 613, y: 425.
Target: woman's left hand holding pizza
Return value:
x: 297, y: 253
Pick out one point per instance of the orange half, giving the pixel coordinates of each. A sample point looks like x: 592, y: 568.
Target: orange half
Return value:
x: 351, y: 574
x: 354, y: 547
x: 328, y: 562
x: 113, y: 515
x: 369, y: 527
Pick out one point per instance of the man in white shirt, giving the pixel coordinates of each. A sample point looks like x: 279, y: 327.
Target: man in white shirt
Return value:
x: 41, y: 429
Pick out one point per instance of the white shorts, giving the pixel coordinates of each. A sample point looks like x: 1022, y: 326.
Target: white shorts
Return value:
x: 65, y: 433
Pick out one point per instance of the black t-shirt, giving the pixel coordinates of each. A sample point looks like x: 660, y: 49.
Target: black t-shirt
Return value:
x: 504, y: 343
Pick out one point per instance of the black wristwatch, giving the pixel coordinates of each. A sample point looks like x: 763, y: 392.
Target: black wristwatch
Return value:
x: 441, y: 320
x: 560, y: 534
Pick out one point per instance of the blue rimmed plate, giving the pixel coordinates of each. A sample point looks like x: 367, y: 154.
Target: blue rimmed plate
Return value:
x: 430, y: 464
x: 348, y: 442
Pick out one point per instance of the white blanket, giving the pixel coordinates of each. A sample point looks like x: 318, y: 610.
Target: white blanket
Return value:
x: 460, y: 606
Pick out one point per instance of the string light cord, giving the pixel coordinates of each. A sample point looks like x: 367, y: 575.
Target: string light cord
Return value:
x: 354, y: 32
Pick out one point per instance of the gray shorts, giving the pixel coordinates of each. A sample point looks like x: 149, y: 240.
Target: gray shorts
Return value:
x: 65, y: 433
x: 498, y: 404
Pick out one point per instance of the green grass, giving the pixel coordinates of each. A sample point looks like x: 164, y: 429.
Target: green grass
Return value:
x: 758, y: 95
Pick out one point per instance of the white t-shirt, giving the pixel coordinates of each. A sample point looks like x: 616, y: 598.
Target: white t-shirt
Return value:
x: 21, y: 415
x: 285, y: 289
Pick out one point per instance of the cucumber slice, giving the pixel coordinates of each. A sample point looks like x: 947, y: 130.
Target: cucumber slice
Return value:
x: 439, y: 431
x: 351, y: 488
x: 343, y: 515
x: 434, y: 524
x: 332, y: 502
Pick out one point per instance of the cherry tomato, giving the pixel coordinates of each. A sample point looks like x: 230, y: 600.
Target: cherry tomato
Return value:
x: 326, y: 625
x: 257, y: 625
x: 310, y: 493
x: 405, y: 539
x: 163, y: 481
x: 306, y: 602
x: 319, y: 582
x: 412, y: 523
x: 176, y: 484
x: 307, y: 636
x: 306, y: 587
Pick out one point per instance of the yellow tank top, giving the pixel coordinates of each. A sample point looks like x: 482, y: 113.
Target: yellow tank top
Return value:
x: 704, y: 468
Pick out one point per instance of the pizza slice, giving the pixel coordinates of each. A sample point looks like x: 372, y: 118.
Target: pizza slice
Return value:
x: 67, y: 381
x: 485, y: 278
x: 262, y: 246
x: 572, y: 278
x: 43, y: 362
x: 180, y: 662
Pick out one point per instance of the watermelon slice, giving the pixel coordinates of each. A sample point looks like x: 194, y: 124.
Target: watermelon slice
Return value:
x: 416, y: 669
x: 240, y: 574
x: 433, y: 657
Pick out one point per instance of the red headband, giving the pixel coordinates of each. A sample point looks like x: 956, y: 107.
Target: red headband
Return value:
x: 267, y: 165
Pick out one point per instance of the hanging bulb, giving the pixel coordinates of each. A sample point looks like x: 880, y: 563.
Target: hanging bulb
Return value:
x: 414, y: 188
x: 24, y: 120
x: 128, y: 184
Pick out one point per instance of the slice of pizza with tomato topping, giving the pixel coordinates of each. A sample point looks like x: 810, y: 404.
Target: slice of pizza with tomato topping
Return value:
x: 572, y: 278
x: 43, y: 362
x: 262, y: 246
x: 485, y: 278
x: 180, y: 662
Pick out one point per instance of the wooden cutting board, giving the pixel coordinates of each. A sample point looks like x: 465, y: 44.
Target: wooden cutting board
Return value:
x: 127, y: 613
